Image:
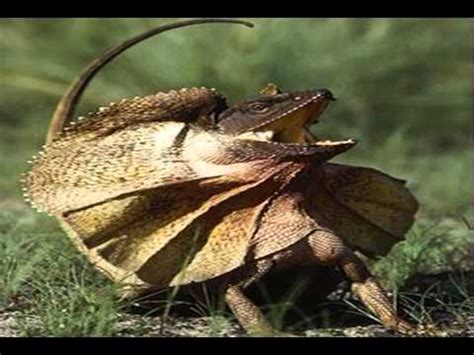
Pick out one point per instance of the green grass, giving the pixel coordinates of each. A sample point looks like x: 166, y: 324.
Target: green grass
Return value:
x: 431, y: 247
x: 56, y: 292
x: 403, y: 93
x: 53, y: 289
x: 450, y: 298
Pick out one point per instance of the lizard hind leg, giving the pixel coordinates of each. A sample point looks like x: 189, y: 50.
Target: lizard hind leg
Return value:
x: 327, y: 248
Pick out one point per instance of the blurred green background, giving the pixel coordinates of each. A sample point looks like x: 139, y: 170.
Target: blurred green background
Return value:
x: 403, y: 85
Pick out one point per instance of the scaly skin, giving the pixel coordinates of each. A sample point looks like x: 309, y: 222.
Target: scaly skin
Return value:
x: 177, y: 188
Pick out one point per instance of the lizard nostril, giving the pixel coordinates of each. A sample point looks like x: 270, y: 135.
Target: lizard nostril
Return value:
x: 326, y: 93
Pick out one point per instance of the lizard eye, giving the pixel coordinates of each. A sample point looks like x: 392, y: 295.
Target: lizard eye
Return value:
x: 258, y: 107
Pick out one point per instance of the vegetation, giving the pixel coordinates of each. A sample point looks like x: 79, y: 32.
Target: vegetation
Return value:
x: 403, y: 89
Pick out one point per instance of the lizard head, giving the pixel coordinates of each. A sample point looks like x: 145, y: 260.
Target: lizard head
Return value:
x: 280, y: 117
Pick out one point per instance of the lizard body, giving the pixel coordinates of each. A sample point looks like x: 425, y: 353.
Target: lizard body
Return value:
x: 178, y: 188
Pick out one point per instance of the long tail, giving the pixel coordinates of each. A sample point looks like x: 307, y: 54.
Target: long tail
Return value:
x: 68, y: 103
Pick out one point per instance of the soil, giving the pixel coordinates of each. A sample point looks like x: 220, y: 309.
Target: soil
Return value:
x: 331, y: 316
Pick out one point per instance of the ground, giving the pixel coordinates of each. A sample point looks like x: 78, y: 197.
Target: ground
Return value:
x: 130, y: 324
x: 51, y: 290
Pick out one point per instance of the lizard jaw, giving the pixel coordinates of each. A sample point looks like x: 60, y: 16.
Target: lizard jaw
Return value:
x: 293, y: 127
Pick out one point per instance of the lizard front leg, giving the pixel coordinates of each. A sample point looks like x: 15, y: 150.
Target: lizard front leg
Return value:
x: 244, y: 309
x: 247, y: 313
x: 327, y: 248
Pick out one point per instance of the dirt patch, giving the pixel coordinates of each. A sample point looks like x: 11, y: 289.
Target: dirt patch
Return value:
x: 138, y: 326
x: 333, y: 317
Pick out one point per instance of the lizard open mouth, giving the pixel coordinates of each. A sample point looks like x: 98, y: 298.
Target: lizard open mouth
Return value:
x: 297, y: 111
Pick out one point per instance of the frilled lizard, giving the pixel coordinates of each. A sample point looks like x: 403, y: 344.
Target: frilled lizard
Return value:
x: 177, y: 188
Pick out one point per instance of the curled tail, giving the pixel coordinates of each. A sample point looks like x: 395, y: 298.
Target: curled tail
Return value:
x: 68, y: 103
